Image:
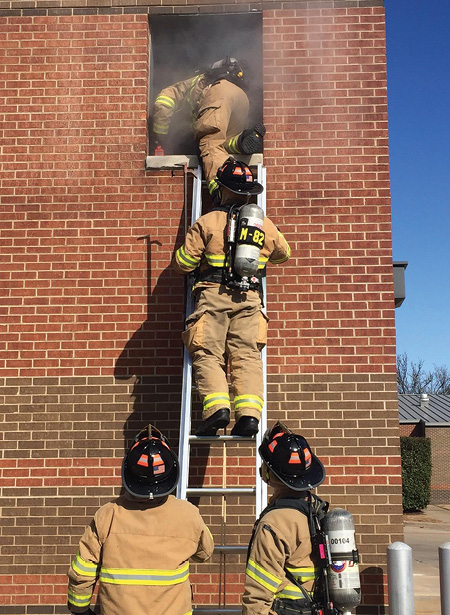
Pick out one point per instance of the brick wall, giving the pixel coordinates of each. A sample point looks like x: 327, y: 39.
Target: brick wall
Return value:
x: 92, y: 316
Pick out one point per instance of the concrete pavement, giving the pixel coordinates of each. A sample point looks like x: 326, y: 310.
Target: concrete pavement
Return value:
x: 424, y: 533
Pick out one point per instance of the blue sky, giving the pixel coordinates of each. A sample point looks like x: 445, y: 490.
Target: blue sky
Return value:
x: 418, y: 50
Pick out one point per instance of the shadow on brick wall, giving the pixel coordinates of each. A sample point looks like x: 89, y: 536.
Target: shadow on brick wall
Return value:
x: 153, y: 360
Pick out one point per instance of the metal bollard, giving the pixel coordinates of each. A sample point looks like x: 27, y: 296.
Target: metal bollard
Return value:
x: 444, y: 576
x: 400, y: 579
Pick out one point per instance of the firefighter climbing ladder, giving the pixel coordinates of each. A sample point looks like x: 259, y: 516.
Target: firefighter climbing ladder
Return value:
x: 187, y: 439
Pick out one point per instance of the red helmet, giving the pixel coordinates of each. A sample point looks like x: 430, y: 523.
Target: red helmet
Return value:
x: 289, y: 457
x: 150, y: 468
x: 238, y: 177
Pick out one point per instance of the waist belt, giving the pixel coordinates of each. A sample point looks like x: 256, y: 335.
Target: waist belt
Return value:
x: 283, y: 606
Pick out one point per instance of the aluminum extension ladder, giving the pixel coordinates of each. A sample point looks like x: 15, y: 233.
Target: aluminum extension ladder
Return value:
x: 187, y: 439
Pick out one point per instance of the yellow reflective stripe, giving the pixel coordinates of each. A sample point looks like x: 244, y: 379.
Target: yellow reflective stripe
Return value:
x: 261, y: 576
x: 184, y: 259
x: 79, y: 599
x: 194, y: 82
x: 212, y: 185
x: 215, y: 260
x: 161, y: 129
x: 232, y: 147
x: 166, y: 101
x: 83, y: 567
x: 262, y: 262
x: 131, y: 576
x: 304, y: 574
x: 216, y: 398
x: 249, y: 401
x: 290, y: 592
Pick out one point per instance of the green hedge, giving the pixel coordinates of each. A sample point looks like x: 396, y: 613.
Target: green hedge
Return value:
x: 416, y: 472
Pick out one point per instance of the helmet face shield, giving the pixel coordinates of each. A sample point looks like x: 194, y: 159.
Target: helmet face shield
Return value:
x: 289, y: 457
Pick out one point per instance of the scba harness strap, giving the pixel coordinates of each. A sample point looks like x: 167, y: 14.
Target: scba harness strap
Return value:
x: 318, y: 603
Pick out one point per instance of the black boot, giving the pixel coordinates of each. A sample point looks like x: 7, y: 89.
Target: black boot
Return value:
x: 246, y: 426
x: 216, y: 421
x: 251, y: 140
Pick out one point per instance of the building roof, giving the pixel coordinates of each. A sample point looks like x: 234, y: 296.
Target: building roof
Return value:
x: 433, y: 410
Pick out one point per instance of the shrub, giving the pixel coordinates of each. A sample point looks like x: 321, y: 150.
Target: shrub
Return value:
x: 416, y: 472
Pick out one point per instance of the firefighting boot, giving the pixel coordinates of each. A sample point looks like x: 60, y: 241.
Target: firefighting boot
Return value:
x: 250, y: 141
x: 246, y: 426
x: 216, y: 421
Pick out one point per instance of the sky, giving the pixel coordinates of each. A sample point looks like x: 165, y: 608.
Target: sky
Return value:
x: 418, y: 53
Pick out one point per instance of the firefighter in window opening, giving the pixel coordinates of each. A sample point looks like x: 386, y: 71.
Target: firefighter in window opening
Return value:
x: 228, y: 249
x: 281, y: 567
x: 136, y: 546
x: 219, y: 107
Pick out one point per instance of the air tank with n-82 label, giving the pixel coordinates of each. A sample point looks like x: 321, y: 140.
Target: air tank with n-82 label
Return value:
x: 343, y: 573
x: 249, y: 240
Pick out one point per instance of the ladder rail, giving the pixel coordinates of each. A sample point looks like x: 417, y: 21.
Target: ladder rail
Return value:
x: 261, y: 486
x: 186, y: 393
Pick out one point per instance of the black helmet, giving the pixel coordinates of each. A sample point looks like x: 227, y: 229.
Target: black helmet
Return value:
x: 238, y: 177
x: 228, y: 68
x: 290, y: 458
x: 150, y: 468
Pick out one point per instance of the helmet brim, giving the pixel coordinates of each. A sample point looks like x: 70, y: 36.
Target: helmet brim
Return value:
x: 158, y: 489
x: 257, y: 188
x: 312, y: 478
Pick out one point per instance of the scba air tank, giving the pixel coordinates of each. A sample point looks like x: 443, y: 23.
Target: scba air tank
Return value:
x: 249, y: 240
x: 343, y: 572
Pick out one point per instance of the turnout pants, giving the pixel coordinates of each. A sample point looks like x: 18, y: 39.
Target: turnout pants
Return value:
x: 222, y: 115
x: 228, y: 324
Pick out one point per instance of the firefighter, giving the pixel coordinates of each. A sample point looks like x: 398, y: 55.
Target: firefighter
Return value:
x: 227, y: 323
x: 281, y: 570
x: 136, y: 546
x: 219, y: 106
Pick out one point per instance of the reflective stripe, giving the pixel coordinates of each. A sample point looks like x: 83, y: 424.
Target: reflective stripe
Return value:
x: 307, y: 573
x: 184, y: 259
x: 248, y: 401
x: 130, y: 576
x: 216, y: 398
x: 194, y: 82
x: 263, y: 577
x: 291, y: 592
x: 262, y: 262
x: 165, y: 101
x: 215, y: 260
x: 232, y: 147
x: 84, y: 568
x: 79, y: 599
x: 212, y: 185
x: 161, y: 129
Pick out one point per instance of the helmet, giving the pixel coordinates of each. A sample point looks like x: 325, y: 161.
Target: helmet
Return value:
x: 238, y: 177
x: 290, y: 458
x: 150, y: 468
x: 228, y: 68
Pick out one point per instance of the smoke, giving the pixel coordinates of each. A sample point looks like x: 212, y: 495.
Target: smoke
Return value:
x: 182, y: 45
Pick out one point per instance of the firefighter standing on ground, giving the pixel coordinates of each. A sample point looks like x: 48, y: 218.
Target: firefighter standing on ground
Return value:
x: 136, y: 546
x: 281, y: 541
x: 219, y: 107
x: 227, y: 322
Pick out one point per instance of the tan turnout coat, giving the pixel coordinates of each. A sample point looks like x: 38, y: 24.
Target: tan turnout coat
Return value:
x: 282, y: 539
x: 139, y: 553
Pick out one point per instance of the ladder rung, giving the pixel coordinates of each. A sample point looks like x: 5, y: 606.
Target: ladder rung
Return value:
x: 220, y: 490
x: 230, y: 549
x: 198, y: 439
x: 210, y: 610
